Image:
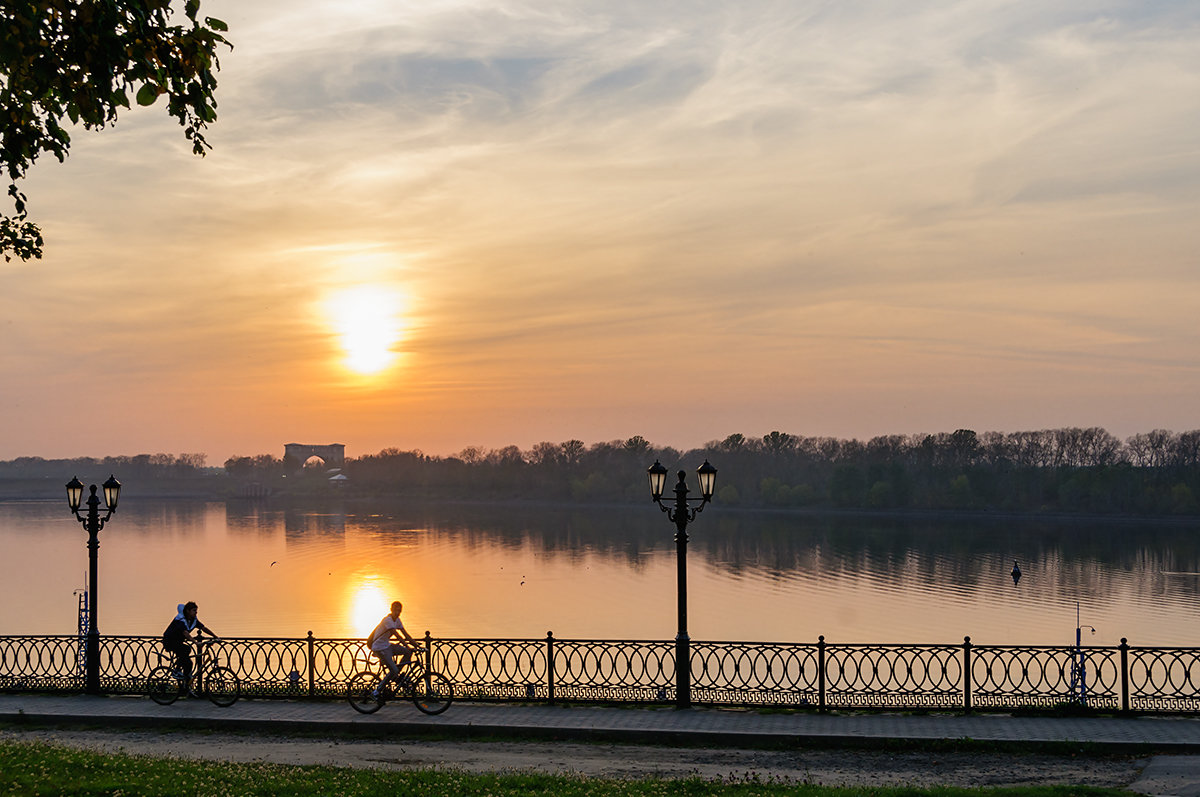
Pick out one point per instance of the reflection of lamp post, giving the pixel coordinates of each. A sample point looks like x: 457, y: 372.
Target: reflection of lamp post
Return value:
x: 681, y: 514
x: 93, y: 523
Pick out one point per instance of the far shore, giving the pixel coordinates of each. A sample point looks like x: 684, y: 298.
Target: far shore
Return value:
x: 20, y: 491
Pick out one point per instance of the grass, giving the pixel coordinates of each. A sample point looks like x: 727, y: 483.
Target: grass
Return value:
x: 37, y: 768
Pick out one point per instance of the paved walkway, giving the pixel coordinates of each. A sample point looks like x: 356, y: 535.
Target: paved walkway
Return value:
x: 660, y: 725
x: 1174, y: 770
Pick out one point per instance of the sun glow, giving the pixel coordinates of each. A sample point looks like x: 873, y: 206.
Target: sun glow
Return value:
x: 367, y: 319
x: 370, y: 603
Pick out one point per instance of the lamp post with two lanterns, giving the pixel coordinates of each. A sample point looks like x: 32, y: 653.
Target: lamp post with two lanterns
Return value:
x: 681, y: 514
x: 92, y: 522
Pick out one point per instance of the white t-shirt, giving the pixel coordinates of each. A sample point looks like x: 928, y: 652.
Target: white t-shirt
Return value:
x: 383, y: 633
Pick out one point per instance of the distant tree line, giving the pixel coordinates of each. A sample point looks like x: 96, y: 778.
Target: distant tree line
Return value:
x: 1054, y: 470
x: 137, y: 467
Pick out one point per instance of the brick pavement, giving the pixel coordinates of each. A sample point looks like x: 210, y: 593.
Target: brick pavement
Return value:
x: 662, y: 725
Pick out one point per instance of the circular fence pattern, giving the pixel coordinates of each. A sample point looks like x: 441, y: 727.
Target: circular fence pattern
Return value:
x: 822, y: 675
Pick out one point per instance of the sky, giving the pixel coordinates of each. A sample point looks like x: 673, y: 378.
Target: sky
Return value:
x: 458, y: 223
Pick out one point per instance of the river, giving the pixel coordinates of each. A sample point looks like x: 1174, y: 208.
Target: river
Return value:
x: 482, y: 571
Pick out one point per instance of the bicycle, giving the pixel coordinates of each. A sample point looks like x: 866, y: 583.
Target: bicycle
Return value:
x: 431, y: 692
x: 218, y: 683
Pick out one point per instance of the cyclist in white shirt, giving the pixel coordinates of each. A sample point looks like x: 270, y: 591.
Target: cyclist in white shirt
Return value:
x: 381, y: 645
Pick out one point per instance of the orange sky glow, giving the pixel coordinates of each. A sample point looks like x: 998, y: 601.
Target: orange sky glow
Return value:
x: 456, y: 224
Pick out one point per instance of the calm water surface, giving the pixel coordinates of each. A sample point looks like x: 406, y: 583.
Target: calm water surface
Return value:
x: 504, y: 571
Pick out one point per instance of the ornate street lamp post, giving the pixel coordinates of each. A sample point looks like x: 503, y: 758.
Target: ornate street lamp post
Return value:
x: 92, y: 522
x: 681, y: 514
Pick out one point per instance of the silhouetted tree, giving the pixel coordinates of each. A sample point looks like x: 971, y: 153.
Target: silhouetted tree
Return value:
x: 66, y: 62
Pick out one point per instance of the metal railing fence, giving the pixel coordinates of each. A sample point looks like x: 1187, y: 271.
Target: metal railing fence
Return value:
x: 819, y: 675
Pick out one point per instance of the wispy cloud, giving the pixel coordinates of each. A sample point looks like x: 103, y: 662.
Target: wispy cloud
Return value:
x: 805, y: 210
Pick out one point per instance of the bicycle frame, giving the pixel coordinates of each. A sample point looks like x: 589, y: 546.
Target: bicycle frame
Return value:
x: 414, y: 668
x: 204, y: 663
x: 206, y: 667
x: 430, y: 691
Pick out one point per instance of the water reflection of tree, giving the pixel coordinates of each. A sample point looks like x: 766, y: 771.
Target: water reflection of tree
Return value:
x: 156, y: 517
x: 1084, y: 558
x: 1071, y: 557
x: 251, y: 518
x: 298, y: 523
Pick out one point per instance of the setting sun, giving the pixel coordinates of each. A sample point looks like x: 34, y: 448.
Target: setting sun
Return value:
x: 367, y: 320
x: 369, y: 603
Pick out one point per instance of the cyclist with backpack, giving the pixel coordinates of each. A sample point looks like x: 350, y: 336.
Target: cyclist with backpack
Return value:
x: 380, y: 643
x: 175, y: 639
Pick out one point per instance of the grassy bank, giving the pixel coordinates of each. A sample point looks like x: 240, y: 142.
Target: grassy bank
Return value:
x: 41, y: 769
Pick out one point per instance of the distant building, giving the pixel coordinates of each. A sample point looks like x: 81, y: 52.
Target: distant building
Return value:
x: 333, y: 454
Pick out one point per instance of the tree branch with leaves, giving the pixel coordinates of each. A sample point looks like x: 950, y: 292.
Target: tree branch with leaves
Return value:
x: 77, y: 62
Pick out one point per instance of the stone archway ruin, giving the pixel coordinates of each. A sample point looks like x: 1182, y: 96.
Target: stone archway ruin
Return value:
x: 333, y: 455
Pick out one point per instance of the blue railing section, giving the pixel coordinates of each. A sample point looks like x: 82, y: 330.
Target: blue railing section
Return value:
x: 820, y: 675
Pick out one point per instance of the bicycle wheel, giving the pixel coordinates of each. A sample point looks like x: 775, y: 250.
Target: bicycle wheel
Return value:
x: 162, y: 686
x: 360, y: 692
x: 222, y: 687
x: 432, y: 693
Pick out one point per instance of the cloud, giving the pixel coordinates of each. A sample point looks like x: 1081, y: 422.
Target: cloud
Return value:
x: 813, y: 200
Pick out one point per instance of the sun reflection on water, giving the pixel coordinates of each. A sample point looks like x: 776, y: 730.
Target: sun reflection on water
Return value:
x: 367, y: 602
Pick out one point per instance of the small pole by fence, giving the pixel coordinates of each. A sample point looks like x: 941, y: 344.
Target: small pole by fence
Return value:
x: 550, y: 666
x: 967, y: 674
x: 312, y: 666
x: 821, y: 673
x: 199, y: 660
x: 1124, y: 648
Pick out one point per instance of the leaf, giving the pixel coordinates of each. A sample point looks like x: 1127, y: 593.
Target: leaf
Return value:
x: 147, y: 94
x: 216, y: 24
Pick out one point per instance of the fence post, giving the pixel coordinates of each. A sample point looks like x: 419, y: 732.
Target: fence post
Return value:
x: 312, y: 663
x: 821, y: 673
x: 199, y: 661
x: 550, y: 666
x: 967, y: 674
x: 1124, y: 648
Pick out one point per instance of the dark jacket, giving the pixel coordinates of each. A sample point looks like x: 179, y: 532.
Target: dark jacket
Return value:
x: 176, y: 634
